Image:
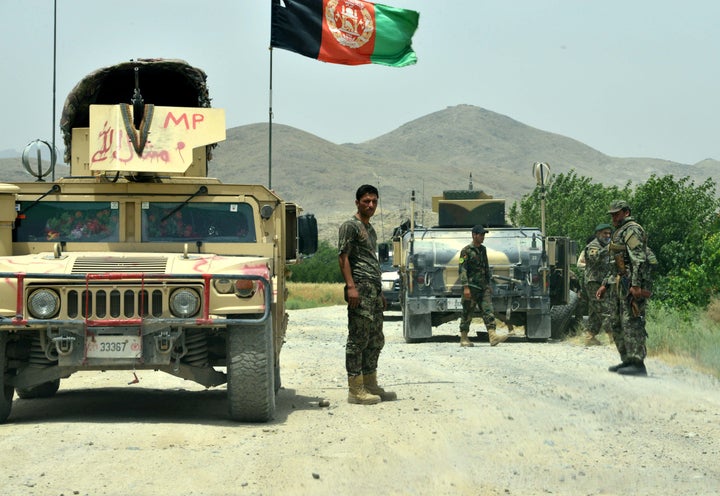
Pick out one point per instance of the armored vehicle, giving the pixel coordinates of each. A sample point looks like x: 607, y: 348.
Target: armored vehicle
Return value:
x: 138, y: 259
x: 530, y: 272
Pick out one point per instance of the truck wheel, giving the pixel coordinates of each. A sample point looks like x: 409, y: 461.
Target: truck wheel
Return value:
x: 44, y: 390
x: 7, y: 391
x: 250, y: 373
x: 561, y: 317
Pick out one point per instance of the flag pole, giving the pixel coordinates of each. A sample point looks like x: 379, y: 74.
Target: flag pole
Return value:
x: 270, y: 118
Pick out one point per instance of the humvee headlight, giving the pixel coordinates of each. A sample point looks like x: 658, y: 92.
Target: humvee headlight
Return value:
x: 184, y: 303
x: 43, y: 303
x: 245, y: 288
x: 224, y: 286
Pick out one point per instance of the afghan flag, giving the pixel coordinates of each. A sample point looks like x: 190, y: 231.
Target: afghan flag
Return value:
x: 350, y: 32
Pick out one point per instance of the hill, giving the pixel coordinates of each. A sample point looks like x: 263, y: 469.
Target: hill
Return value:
x: 430, y: 154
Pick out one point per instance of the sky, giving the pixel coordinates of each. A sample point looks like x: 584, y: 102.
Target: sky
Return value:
x: 636, y: 78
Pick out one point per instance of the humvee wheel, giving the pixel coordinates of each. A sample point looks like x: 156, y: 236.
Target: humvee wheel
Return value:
x: 250, y: 373
x: 7, y: 391
x: 561, y: 317
x: 44, y: 390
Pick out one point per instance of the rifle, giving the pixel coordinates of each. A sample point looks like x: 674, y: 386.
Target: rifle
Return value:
x: 618, y: 252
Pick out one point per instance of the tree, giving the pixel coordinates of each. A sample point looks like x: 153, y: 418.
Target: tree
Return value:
x: 573, y: 206
x: 681, y: 220
x: 678, y: 217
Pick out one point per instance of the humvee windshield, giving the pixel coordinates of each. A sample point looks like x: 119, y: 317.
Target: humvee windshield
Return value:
x: 89, y: 222
x: 67, y: 221
x: 210, y: 222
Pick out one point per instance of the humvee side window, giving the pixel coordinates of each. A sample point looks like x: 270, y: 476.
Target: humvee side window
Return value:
x: 67, y: 221
x: 196, y: 221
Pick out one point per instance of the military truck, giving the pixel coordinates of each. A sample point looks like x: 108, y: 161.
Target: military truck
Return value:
x: 530, y: 271
x: 138, y: 259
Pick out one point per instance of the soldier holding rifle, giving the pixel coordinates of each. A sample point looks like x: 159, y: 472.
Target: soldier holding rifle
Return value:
x: 631, y: 274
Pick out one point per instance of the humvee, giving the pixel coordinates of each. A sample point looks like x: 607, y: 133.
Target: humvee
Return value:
x: 138, y: 259
x: 530, y: 272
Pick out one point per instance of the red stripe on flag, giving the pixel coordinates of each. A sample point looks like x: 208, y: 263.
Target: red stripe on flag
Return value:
x: 348, y: 32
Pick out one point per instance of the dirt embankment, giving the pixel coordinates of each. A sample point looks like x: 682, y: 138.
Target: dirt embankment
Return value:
x: 520, y: 418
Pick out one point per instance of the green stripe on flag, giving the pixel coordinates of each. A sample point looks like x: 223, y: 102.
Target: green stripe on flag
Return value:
x: 394, y: 29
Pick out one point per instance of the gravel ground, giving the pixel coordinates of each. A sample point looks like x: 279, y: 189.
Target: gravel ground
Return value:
x: 520, y: 418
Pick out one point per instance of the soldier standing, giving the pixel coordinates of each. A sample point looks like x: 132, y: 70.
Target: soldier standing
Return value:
x: 596, y: 259
x: 475, y: 280
x: 357, y: 246
x: 631, y: 275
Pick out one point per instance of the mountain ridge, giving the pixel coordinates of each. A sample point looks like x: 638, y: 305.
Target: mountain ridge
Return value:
x: 430, y: 154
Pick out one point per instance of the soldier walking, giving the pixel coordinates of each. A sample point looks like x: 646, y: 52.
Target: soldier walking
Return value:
x: 475, y: 280
x: 631, y: 273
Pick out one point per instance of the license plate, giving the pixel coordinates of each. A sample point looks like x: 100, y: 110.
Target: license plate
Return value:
x: 454, y: 303
x: 104, y: 346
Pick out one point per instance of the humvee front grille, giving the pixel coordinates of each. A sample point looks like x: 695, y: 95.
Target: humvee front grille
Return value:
x: 150, y: 265
x: 115, y: 303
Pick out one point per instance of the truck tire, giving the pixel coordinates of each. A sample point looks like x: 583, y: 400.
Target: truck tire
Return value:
x: 562, y: 317
x: 44, y: 390
x: 250, y: 373
x: 7, y: 391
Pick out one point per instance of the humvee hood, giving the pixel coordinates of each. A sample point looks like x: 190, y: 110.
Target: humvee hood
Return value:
x: 149, y: 263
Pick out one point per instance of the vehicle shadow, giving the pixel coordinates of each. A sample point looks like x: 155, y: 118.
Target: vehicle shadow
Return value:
x: 147, y: 405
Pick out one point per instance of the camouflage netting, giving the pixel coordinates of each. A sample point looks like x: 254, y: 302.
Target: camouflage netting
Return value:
x: 163, y: 82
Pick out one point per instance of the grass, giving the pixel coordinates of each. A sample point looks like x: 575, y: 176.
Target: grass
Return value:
x: 686, y: 338
x: 690, y: 339
x: 310, y: 295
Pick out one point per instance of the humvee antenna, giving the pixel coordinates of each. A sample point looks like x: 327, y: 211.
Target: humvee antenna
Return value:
x: 137, y: 101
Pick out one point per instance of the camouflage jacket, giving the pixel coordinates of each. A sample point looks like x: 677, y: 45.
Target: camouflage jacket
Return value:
x: 632, y: 257
x: 597, y: 261
x: 359, y: 241
x: 474, y: 267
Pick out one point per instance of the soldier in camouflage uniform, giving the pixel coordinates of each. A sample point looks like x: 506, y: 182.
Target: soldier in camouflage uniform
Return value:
x: 631, y: 273
x: 357, y: 246
x: 595, y: 260
x: 475, y: 279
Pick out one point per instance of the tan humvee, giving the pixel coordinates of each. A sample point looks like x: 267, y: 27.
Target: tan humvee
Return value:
x: 139, y: 260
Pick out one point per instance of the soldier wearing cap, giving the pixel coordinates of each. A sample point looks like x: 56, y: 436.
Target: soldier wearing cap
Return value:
x: 475, y: 279
x: 630, y: 272
x: 595, y: 260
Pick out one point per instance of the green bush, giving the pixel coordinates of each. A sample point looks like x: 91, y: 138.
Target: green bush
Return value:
x: 321, y: 267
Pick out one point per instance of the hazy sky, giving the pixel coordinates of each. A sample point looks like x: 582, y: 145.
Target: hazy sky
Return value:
x: 636, y: 78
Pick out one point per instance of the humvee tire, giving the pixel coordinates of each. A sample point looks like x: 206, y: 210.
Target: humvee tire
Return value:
x: 250, y: 372
x: 7, y: 391
x: 561, y: 317
x: 44, y: 390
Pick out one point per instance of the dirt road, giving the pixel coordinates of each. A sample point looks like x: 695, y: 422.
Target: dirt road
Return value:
x: 520, y: 418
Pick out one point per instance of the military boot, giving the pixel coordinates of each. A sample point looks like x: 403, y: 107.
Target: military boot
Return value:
x: 636, y: 367
x: 495, y: 339
x: 371, y: 386
x: 465, y: 340
x: 357, y: 394
x: 592, y: 340
x: 615, y: 368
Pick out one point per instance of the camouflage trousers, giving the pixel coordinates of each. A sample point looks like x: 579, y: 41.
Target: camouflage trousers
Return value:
x: 599, y: 311
x: 628, y: 328
x: 365, y: 331
x: 482, y: 298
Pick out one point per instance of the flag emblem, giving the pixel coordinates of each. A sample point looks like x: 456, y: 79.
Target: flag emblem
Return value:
x: 350, y: 22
